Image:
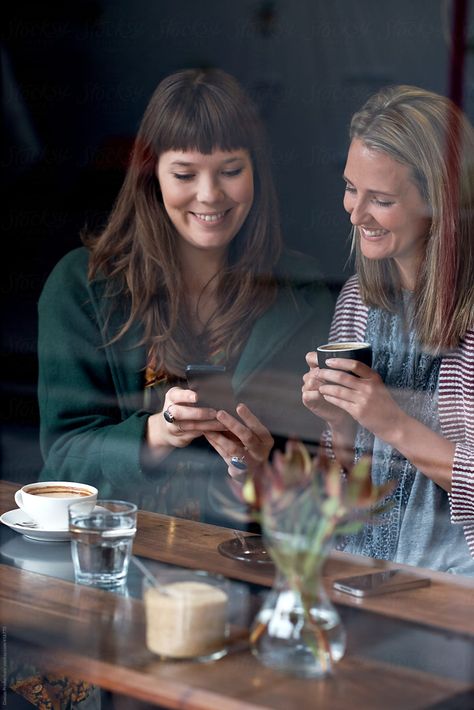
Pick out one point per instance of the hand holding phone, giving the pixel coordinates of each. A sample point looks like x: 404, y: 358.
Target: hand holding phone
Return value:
x: 212, y: 385
x: 390, y: 580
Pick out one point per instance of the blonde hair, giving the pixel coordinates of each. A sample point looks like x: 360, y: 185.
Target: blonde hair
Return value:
x: 431, y: 136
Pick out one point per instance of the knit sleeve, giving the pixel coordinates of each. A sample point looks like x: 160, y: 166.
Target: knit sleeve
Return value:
x: 349, y: 323
x: 350, y: 316
x: 462, y: 491
x: 456, y: 411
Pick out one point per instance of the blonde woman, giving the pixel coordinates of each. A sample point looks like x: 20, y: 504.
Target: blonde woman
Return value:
x: 410, y: 196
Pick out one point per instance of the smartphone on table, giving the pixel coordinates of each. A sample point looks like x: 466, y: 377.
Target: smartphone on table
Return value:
x: 212, y: 384
x: 390, y: 580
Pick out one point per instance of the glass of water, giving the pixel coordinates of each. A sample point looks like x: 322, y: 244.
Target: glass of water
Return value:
x: 101, y: 541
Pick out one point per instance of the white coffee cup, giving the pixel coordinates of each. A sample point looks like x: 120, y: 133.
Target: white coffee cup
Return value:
x: 47, y: 502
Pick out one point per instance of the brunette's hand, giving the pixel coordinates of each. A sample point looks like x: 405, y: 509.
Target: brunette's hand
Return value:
x: 188, y: 423
x: 247, y: 439
x: 365, y: 397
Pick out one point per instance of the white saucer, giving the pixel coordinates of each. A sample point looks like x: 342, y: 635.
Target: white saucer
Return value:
x: 13, y: 517
x: 43, y: 557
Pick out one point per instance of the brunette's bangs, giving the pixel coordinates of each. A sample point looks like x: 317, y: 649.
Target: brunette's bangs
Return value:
x: 204, y: 126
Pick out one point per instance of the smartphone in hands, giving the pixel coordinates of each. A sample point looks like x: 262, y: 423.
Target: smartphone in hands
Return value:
x: 212, y: 385
x: 390, y: 580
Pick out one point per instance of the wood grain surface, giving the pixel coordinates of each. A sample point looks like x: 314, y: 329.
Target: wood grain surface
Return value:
x: 100, y: 637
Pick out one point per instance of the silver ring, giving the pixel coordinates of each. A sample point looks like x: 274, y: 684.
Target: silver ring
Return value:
x: 168, y: 416
x: 239, y: 462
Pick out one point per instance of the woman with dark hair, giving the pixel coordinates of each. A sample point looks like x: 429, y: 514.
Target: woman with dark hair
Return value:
x: 410, y: 195
x: 189, y: 269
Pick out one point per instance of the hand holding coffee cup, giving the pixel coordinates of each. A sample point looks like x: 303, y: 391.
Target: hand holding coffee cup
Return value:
x: 47, y: 502
x: 350, y: 350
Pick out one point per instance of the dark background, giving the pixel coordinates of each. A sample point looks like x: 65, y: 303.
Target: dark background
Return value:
x: 76, y: 77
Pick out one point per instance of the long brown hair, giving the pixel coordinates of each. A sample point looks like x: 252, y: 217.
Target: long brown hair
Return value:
x: 203, y: 110
x: 430, y: 135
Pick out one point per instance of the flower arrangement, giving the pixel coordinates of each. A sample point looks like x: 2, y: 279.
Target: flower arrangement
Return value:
x: 295, y: 485
x: 301, y: 503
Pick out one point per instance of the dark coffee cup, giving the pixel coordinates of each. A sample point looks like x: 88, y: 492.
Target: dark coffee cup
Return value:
x: 351, y: 350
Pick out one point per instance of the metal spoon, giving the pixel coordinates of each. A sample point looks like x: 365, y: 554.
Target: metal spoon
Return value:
x: 243, y: 542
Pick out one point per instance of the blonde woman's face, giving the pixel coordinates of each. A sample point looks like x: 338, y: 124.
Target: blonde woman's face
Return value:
x: 207, y: 197
x: 387, y: 208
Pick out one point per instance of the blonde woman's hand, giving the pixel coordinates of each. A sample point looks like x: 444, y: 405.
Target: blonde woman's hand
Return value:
x: 180, y: 421
x: 340, y: 422
x: 246, y: 440
x: 313, y: 398
x: 365, y: 397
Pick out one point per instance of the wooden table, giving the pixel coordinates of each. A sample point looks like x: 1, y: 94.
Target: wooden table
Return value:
x: 100, y: 636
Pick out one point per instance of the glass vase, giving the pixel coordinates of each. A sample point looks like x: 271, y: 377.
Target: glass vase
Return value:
x: 298, y: 630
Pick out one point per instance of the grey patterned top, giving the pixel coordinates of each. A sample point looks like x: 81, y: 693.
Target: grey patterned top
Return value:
x: 416, y: 529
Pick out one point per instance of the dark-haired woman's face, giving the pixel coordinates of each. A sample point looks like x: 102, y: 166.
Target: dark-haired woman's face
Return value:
x: 207, y: 197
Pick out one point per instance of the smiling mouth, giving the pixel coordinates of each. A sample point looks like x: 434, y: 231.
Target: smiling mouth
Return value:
x: 373, y: 233
x: 210, y: 217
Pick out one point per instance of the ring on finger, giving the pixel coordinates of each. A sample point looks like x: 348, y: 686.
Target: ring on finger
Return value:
x: 168, y: 416
x: 239, y: 463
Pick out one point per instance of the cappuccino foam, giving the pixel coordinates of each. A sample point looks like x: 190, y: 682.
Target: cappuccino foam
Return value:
x: 58, y: 492
x: 332, y: 347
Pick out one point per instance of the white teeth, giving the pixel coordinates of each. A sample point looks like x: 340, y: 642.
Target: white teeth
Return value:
x: 210, y: 217
x: 373, y: 232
